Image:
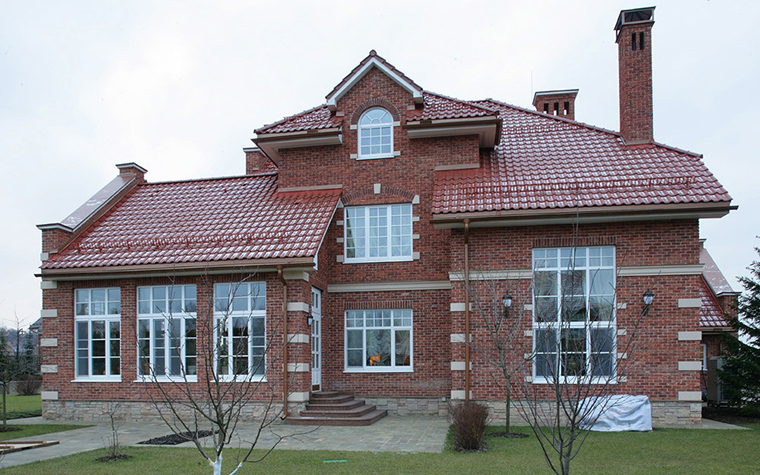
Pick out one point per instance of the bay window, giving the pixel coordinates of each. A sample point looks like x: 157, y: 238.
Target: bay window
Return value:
x: 378, y: 233
x: 240, y: 330
x: 166, y: 331
x: 378, y: 340
x: 97, y: 319
x: 574, y: 313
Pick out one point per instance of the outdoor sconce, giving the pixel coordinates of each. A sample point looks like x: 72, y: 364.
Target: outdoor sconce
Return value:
x: 648, y: 297
x: 309, y: 319
x: 507, y: 302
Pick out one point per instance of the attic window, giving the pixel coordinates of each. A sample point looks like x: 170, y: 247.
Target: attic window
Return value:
x: 375, y: 134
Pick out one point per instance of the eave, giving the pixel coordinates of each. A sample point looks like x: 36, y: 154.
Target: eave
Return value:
x: 488, y: 129
x: 271, y: 144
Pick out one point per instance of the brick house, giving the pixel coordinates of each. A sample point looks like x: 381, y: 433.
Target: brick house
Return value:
x: 372, y: 215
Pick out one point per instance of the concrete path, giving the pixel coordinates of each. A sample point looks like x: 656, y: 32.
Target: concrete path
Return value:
x: 391, y: 434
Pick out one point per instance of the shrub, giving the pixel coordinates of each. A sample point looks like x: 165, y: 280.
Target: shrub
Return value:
x: 469, y: 424
x: 29, y: 386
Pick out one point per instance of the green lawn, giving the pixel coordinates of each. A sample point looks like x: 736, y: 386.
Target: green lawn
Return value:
x: 672, y: 451
x: 36, y: 429
x: 23, y: 406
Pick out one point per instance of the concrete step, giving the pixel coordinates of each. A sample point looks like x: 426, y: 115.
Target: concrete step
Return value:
x: 363, y: 420
x: 327, y: 394
x: 331, y: 400
x: 330, y: 406
x: 341, y: 414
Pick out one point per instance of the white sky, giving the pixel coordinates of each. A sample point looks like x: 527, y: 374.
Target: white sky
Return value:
x: 178, y: 87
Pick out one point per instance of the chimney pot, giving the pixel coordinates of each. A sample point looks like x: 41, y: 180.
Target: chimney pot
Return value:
x: 560, y: 103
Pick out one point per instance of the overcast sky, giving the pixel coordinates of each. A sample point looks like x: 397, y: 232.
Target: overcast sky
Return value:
x: 178, y: 87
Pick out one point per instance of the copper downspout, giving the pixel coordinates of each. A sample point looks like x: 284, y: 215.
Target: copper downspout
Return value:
x: 467, y: 310
x: 284, y: 342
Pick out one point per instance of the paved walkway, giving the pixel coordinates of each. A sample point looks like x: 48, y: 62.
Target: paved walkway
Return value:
x: 390, y: 434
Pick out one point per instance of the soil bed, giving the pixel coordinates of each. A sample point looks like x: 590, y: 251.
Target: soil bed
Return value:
x: 176, y: 439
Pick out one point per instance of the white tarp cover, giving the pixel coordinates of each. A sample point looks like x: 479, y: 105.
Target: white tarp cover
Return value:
x: 618, y: 413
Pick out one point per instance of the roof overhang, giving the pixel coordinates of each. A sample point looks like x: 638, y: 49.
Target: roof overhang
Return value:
x: 610, y: 214
x: 487, y: 129
x: 174, y: 269
x: 334, y: 97
x: 271, y: 144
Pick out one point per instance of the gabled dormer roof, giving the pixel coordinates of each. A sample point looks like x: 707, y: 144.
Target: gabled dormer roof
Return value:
x: 373, y: 61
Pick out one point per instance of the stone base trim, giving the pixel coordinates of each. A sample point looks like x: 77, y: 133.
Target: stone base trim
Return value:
x: 98, y: 411
x: 410, y: 406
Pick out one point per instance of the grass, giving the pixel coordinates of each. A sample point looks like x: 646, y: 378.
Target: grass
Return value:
x: 23, y: 406
x: 667, y: 451
x: 36, y: 429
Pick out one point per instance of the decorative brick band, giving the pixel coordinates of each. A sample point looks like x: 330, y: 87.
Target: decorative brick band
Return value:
x: 378, y: 305
x: 689, y: 366
x: 576, y: 241
x: 375, y: 102
x: 371, y: 190
x: 49, y: 342
x: 690, y: 336
x: 459, y: 365
x: 298, y: 338
x: 298, y: 367
x: 298, y: 307
x: 49, y: 368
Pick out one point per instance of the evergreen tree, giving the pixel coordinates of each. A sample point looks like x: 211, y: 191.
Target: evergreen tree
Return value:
x: 741, y: 368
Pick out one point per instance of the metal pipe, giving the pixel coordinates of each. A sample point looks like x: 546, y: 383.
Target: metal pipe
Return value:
x: 466, y: 310
x: 284, y: 342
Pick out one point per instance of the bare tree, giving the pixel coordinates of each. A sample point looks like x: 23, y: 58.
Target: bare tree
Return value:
x: 215, y: 368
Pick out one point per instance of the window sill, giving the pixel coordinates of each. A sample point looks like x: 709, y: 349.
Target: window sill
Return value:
x: 242, y: 379
x: 378, y: 261
x: 96, y: 380
x: 164, y: 379
x: 377, y: 157
x: 383, y: 370
x: 541, y: 380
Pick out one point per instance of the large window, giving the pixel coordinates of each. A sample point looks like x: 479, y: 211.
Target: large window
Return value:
x: 240, y: 330
x: 166, y: 331
x: 97, y: 316
x: 378, y: 233
x: 375, y: 134
x: 574, y: 313
x: 379, y: 340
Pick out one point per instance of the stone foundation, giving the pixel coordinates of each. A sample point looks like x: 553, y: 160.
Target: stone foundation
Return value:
x: 409, y: 406
x: 98, y: 411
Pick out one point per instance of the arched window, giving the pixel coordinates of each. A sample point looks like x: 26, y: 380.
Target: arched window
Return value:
x: 376, y: 134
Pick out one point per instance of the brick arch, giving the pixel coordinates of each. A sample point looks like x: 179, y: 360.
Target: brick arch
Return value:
x: 388, y: 194
x: 375, y: 102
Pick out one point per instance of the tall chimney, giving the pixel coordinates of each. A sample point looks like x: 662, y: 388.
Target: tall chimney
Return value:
x: 559, y: 103
x: 634, y: 38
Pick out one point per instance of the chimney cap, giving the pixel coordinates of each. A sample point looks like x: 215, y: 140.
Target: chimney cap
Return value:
x: 634, y: 16
x: 558, y: 92
x: 129, y: 166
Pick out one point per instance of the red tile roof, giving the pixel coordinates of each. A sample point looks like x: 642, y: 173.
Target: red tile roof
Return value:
x: 710, y: 314
x: 237, y: 218
x: 315, y: 118
x: 373, y: 54
x: 437, y: 106
x: 548, y: 162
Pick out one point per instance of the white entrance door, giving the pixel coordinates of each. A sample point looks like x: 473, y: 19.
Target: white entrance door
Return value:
x: 316, y: 339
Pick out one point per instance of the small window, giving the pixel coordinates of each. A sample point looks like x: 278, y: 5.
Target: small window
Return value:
x: 378, y: 233
x: 375, y: 134
x: 97, y: 315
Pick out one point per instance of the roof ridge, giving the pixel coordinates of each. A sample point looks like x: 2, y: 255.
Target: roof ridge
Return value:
x: 287, y: 118
x: 462, y: 101
x: 219, y: 178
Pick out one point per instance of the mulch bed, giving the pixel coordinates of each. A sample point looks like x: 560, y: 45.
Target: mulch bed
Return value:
x: 176, y: 439
x: 108, y: 458
x: 9, y: 429
x: 509, y: 435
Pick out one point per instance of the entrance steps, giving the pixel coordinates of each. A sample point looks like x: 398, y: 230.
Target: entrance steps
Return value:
x: 334, y: 408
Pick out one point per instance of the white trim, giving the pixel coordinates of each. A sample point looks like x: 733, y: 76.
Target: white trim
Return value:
x: 49, y: 313
x: 48, y: 342
x: 302, y: 396
x: 242, y: 378
x: 457, y: 338
x: 44, y: 256
x: 298, y: 338
x: 332, y: 100
x: 415, y: 255
x: 339, y: 222
x: 415, y: 219
x: 97, y: 379
x: 295, y: 274
x: 298, y: 307
x: 390, y: 286
x: 377, y: 188
x: 622, y: 356
x: 528, y: 333
x: 166, y: 379
x: 486, y: 132
x: 622, y: 305
x: 48, y: 284
x: 458, y: 394
x: 49, y: 368
x: 459, y: 366
x: 416, y: 200
x: 689, y: 303
x: 689, y: 366
x: 528, y: 307
x: 381, y: 369
x: 690, y: 396
x: 458, y: 307
x: 514, y: 274
x: 298, y: 367
x: 49, y: 395
x: 647, y: 271
x: 575, y: 380
x: 690, y: 336
x: 415, y: 237
x: 622, y: 332
x: 339, y: 240
x: 339, y: 258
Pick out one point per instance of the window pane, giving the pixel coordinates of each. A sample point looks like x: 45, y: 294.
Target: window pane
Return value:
x: 573, y: 309
x: 602, y: 282
x: 601, y: 309
x: 114, y: 301
x: 545, y: 283
x: 355, y: 358
x: 378, y: 347
x: 98, y: 366
x: 98, y: 295
x: 546, y: 309
x: 403, y: 348
x: 98, y: 308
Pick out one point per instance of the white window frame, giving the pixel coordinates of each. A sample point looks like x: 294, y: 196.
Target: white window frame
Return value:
x: 704, y: 356
x: 155, y: 315
x: 365, y: 368
x: 588, y: 325
x: 367, y: 128
x: 389, y: 257
x: 226, y: 311
x: 89, y: 318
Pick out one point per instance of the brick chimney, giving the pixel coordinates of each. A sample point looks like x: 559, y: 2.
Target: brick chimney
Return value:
x: 132, y: 169
x: 559, y: 103
x: 634, y: 38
